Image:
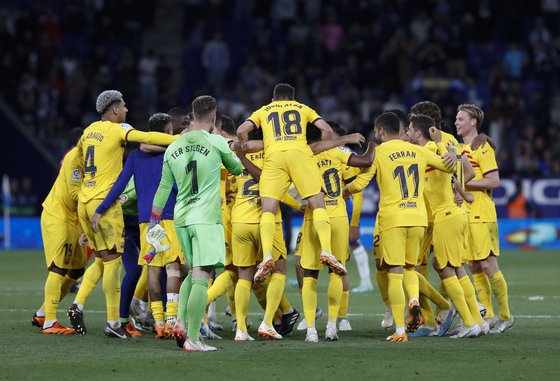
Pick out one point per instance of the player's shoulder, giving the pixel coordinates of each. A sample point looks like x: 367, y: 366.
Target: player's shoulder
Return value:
x: 486, y: 151
x: 431, y: 146
x: 218, y: 141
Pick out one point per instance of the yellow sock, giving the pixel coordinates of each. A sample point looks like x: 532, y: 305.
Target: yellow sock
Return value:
x: 322, y: 225
x: 231, y: 299
x: 285, y: 305
x: 410, y: 280
x: 112, y: 287
x: 343, y: 311
x: 309, y: 298
x: 334, y: 293
x: 470, y: 298
x: 66, y: 286
x: 242, y: 299
x: 396, y: 298
x: 142, y: 285
x: 426, y: 310
x: 427, y: 289
x: 274, y: 293
x: 260, y: 292
x: 157, y: 310
x: 220, y: 286
x: 383, y: 284
x: 53, y: 285
x: 483, y: 289
x: 455, y: 292
x: 90, y: 280
x: 267, y: 230
x: 500, y: 289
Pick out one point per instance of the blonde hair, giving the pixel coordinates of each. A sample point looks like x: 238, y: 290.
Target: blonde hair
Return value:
x: 474, y: 112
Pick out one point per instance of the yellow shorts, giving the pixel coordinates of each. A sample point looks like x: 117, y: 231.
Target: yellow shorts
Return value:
x: 401, y: 245
x: 311, y: 247
x: 111, y: 226
x: 284, y: 167
x: 467, y: 252
x: 174, y: 254
x: 299, y: 246
x: 60, y: 240
x: 449, y: 240
x: 376, y: 241
x: 483, y: 240
x: 226, y: 221
x: 246, y: 244
x: 427, y: 245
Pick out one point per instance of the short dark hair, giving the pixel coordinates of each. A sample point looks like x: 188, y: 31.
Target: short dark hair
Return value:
x: 256, y: 134
x: 228, y: 125
x: 180, y: 118
x: 422, y: 123
x: 177, y: 112
x: 313, y: 133
x: 203, y: 106
x: 389, y: 122
x: 159, y: 121
x: 337, y: 128
x: 283, y: 91
x: 402, y: 117
x: 430, y: 109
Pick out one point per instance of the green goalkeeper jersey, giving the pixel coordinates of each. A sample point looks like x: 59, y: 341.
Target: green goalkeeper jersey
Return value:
x: 194, y: 162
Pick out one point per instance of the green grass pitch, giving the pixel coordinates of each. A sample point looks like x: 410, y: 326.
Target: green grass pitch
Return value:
x: 531, y: 350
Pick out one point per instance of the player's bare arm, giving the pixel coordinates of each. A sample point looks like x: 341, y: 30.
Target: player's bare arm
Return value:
x: 326, y: 130
x: 151, y: 148
x: 365, y: 160
x: 459, y: 189
x: 325, y: 145
x: 490, y: 180
x: 244, y: 129
x: 253, y: 170
x: 468, y: 170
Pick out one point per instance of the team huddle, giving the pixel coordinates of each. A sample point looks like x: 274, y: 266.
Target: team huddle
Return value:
x: 200, y: 194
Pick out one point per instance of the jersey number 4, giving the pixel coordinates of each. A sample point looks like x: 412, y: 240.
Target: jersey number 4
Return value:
x: 399, y: 173
x: 89, y: 161
x: 291, y: 125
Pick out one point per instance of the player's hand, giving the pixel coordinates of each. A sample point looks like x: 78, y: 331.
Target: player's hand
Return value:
x: 83, y: 240
x: 435, y: 134
x: 303, y: 207
x: 155, y: 237
x: 450, y: 158
x: 469, y: 198
x: 345, y: 193
x: 355, y: 138
x: 94, y: 223
x: 458, y: 199
x: 479, y: 141
x: 354, y: 233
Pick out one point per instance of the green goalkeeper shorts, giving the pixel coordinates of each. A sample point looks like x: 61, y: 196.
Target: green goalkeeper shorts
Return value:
x: 203, y: 245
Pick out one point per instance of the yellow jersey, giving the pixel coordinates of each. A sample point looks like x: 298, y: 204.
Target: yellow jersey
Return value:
x: 438, y: 192
x: 483, y: 161
x: 332, y: 165
x: 247, y: 207
x: 399, y: 166
x: 102, y: 149
x: 449, y: 140
x: 62, y: 200
x: 284, y: 125
x: 349, y: 174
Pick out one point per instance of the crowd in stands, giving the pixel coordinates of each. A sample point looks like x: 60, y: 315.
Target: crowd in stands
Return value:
x: 348, y: 59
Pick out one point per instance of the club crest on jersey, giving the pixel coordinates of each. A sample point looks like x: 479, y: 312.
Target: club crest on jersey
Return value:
x: 123, y: 198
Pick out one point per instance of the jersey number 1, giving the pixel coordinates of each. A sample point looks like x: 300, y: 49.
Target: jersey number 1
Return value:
x: 191, y: 167
x: 412, y: 171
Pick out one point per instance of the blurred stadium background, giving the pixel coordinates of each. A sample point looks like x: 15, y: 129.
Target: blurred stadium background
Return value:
x: 349, y: 59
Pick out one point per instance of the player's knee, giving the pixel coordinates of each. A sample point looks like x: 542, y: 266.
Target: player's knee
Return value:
x: 76, y: 273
